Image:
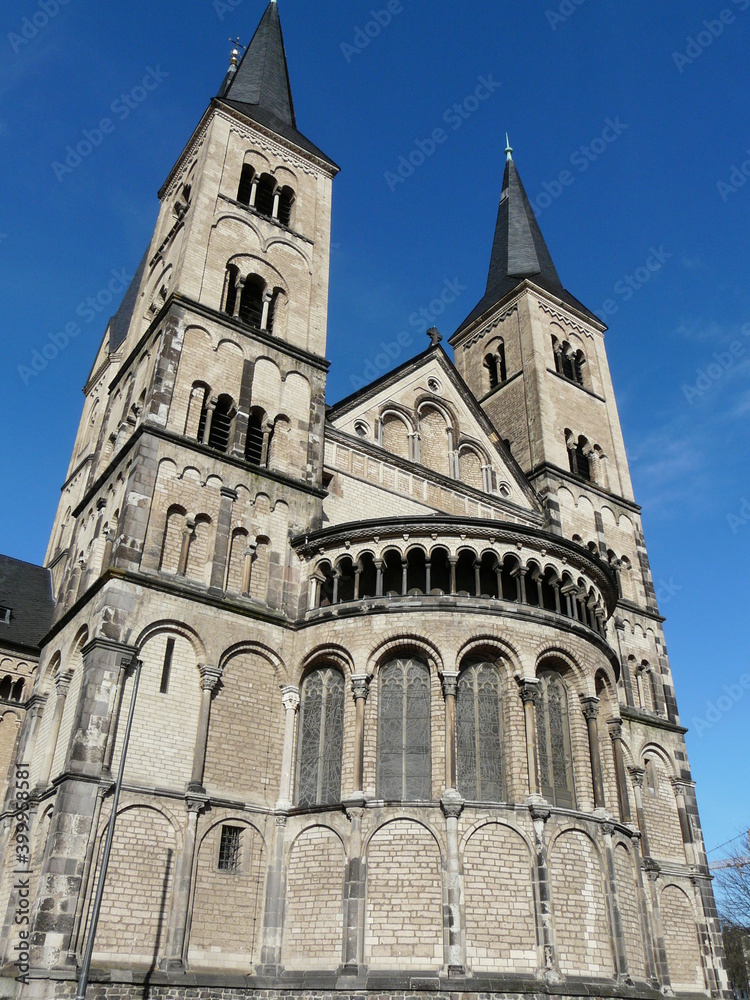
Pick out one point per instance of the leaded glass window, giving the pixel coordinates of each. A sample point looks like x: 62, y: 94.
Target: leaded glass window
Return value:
x: 404, y: 731
x: 553, y: 738
x: 321, y: 735
x: 479, y: 756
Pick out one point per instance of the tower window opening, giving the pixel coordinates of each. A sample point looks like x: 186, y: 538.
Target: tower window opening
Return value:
x: 286, y: 206
x: 245, y: 190
x: 494, y: 362
x: 221, y: 426
x: 5, y: 687
x: 251, y: 301
x: 580, y: 463
x: 264, y: 197
x: 230, y: 849
x: 254, y: 439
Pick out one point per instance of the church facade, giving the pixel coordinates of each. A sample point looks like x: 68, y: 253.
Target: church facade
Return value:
x: 406, y: 722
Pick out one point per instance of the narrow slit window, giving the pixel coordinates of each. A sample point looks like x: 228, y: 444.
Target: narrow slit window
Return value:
x: 167, y: 668
x: 230, y: 849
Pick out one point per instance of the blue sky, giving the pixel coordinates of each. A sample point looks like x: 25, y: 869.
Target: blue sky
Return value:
x: 667, y: 178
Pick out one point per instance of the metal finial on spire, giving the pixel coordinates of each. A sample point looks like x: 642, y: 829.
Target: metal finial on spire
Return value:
x: 508, y: 149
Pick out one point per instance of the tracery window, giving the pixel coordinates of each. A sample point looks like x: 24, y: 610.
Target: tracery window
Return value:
x: 404, y: 731
x: 321, y: 735
x: 479, y: 756
x: 553, y: 738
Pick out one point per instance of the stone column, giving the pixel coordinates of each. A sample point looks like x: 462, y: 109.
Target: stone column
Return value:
x: 529, y: 692
x: 267, y: 431
x: 428, y: 576
x: 590, y: 711
x: 404, y: 575
x: 452, y: 804
x: 187, y: 534
x: 273, y: 916
x: 223, y: 535
x: 210, y: 677
x: 62, y: 686
x: 247, y: 570
x: 240, y: 285
x: 477, y: 578
x: 613, y: 905
x: 615, y: 734
x: 336, y: 578
x: 109, y: 750
x: 660, y: 950
x: 354, y: 894
x: 276, y: 203
x: 254, y: 190
x: 378, y: 577
x: 290, y: 700
x: 210, y: 408
x: 175, y: 948
x: 545, y: 931
x: 450, y: 686
x: 360, y: 690
x: 520, y: 575
x: 357, y: 575
x: 637, y: 773
x: 453, y: 561
x: 267, y: 299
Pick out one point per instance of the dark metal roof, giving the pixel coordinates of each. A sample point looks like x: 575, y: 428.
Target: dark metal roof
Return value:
x: 519, y: 251
x: 120, y: 322
x: 27, y: 590
x: 260, y: 87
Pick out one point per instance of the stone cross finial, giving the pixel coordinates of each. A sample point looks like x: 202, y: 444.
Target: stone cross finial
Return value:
x: 435, y: 336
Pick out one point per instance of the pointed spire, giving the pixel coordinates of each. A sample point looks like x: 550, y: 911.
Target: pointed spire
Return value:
x: 262, y: 78
x: 519, y: 250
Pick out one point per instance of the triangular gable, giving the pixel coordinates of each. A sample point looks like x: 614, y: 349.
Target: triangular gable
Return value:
x: 423, y: 414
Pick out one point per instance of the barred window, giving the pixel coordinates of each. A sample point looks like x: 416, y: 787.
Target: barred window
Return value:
x: 404, y: 731
x: 479, y: 755
x: 230, y: 849
x: 553, y: 738
x: 321, y: 736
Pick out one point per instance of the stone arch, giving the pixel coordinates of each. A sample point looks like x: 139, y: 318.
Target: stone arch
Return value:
x: 326, y: 653
x: 681, y: 940
x: 499, y: 905
x: 404, y: 890
x: 313, y: 919
x: 396, y: 433
x: 579, y: 905
x: 227, y: 906
x: 660, y: 805
x: 471, y: 463
x: 137, y: 894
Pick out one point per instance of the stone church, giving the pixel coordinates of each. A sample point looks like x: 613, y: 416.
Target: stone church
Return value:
x: 406, y: 722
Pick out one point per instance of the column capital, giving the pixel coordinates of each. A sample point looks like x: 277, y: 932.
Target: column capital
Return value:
x: 35, y: 704
x: 230, y: 494
x: 615, y: 729
x: 637, y: 774
x: 528, y: 688
x: 682, y: 785
x: 452, y: 804
x: 290, y: 697
x: 210, y: 676
x: 62, y: 682
x: 360, y: 687
x: 450, y: 683
x: 590, y: 706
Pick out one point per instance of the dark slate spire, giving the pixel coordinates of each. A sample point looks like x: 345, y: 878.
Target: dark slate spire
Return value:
x: 519, y: 250
x: 259, y: 87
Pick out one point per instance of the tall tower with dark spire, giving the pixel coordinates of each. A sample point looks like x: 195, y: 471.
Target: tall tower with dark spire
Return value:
x: 406, y: 724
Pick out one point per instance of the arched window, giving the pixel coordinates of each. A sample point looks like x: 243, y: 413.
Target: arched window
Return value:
x: 246, y: 184
x: 568, y: 368
x: 404, y: 731
x: 557, y: 354
x: 265, y: 194
x: 254, y: 439
x: 5, y: 686
x: 479, y: 746
x: 494, y: 362
x: 553, y: 739
x: 230, y: 290
x: 578, y: 453
x: 251, y: 301
x: 286, y: 205
x: 321, y: 737
x: 220, y: 432
x: 490, y: 363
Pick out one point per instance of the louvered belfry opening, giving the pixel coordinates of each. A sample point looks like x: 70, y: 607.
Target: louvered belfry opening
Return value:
x: 254, y: 439
x: 221, y: 426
